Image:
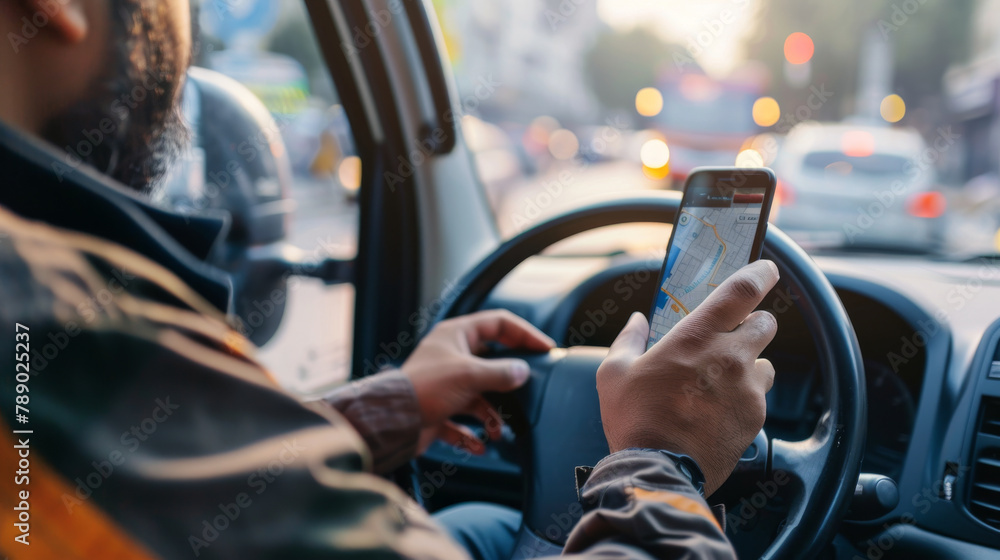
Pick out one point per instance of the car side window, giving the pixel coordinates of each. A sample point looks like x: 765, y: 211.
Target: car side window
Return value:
x: 301, y: 170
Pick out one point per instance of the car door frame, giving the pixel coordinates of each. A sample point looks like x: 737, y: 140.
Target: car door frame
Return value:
x: 388, y: 263
x: 387, y: 59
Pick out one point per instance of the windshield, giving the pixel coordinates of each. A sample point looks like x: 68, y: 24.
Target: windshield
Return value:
x: 878, y: 117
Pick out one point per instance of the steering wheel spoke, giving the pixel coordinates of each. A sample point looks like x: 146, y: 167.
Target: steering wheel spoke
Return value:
x: 803, y: 459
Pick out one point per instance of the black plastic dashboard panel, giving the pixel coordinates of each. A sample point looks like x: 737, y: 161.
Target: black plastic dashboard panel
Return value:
x: 955, y: 345
x: 980, y: 489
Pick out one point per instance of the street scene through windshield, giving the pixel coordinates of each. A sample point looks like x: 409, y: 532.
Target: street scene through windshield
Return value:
x: 877, y: 117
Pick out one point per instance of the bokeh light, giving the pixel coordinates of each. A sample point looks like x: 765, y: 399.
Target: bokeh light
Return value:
x: 766, y: 145
x: 654, y: 154
x: 349, y: 173
x: 657, y: 174
x: 766, y: 111
x: 857, y: 143
x: 563, y: 144
x: 649, y: 102
x: 749, y: 158
x: 931, y: 204
x: 536, y: 137
x: 893, y: 108
x: 799, y: 48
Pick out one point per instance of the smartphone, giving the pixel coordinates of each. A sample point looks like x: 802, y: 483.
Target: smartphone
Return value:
x: 719, y: 228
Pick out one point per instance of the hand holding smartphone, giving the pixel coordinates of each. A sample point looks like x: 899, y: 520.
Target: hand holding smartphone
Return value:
x: 719, y: 228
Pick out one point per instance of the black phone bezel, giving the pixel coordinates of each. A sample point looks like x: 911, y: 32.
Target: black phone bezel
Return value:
x: 725, y: 173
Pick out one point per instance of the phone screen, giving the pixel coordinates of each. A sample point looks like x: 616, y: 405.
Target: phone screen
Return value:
x: 719, y: 229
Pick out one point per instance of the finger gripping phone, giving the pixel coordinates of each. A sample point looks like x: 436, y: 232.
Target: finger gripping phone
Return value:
x: 719, y: 228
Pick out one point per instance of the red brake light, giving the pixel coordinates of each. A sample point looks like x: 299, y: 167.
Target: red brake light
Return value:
x: 784, y: 195
x: 927, y: 205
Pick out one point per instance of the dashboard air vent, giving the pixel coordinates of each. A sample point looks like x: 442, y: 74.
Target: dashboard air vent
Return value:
x: 985, y: 496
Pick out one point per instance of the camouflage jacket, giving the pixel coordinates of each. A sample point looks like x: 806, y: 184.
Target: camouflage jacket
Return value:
x: 148, y: 430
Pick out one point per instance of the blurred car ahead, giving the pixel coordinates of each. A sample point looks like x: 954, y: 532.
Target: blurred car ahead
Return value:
x: 864, y: 187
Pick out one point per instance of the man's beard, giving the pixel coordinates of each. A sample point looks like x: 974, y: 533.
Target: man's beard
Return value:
x: 130, y: 125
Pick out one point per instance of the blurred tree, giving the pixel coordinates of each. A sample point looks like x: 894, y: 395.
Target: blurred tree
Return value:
x: 928, y: 42
x: 293, y: 36
x: 621, y: 63
x: 926, y: 37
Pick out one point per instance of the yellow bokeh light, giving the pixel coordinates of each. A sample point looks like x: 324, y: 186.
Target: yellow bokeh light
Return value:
x: 563, y: 144
x: 349, y: 173
x: 893, y: 108
x: 654, y: 154
x: 749, y: 158
x: 657, y: 174
x: 649, y: 102
x: 766, y: 111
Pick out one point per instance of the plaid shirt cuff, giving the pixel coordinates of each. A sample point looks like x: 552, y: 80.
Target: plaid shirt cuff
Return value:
x: 383, y: 408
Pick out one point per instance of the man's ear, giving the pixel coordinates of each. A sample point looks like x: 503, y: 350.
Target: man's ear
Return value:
x: 66, y: 18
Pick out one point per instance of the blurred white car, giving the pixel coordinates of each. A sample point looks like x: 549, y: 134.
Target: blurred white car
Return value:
x: 858, y: 186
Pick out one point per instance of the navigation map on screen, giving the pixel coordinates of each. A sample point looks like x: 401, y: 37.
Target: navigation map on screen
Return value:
x: 713, y: 239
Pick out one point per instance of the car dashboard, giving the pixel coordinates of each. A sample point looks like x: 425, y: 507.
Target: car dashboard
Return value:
x: 929, y: 334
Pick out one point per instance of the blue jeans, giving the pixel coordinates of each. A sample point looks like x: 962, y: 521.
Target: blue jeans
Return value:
x: 487, y: 531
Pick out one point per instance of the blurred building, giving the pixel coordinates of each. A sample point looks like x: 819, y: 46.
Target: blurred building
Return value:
x: 973, y: 94
x: 530, y: 51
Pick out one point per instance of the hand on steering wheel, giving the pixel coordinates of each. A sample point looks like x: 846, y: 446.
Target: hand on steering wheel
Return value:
x: 449, y: 377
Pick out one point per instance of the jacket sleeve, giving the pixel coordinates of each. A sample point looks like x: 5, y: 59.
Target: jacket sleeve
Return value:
x: 155, y: 412
x: 146, y: 407
x: 383, y: 409
x: 638, y: 506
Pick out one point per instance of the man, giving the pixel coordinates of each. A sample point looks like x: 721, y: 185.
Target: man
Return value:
x: 155, y: 433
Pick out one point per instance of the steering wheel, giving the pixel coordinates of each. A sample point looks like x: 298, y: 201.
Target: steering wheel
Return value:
x: 557, y: 420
